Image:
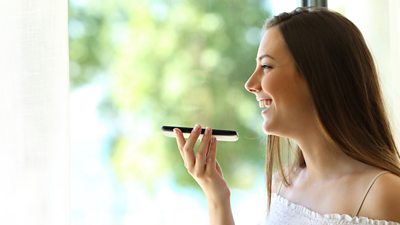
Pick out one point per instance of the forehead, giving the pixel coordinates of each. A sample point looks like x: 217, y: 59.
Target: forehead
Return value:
x: 272, y: 43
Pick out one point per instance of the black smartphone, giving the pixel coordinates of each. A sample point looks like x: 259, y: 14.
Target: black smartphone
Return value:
x: 220, y: 135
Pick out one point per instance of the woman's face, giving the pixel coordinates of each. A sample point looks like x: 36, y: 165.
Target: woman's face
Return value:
x: 282, y: 93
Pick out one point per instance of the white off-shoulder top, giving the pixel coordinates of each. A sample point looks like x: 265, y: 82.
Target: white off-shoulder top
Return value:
x: 284, y: 212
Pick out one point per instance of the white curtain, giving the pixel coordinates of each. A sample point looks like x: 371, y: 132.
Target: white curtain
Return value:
x: 34, y: 155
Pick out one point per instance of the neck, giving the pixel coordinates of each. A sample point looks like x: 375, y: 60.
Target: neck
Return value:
x: 324, y: 158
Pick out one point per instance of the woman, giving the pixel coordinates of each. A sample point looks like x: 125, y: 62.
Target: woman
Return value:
x: 317, y: 84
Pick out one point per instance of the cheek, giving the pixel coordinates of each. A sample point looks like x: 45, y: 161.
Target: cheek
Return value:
x: 269, y: 83
x: 288, y: 94
x: 276, y: 86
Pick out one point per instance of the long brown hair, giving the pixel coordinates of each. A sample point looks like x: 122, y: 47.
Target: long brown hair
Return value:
x: 331, y: 55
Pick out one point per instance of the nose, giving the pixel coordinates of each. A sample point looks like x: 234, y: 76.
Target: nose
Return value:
x: 253, y: 84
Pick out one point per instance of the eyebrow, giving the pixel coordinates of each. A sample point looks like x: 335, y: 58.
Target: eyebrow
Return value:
x: 263, y: 56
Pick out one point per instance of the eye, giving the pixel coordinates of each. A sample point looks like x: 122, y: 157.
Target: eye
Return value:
x: 266, y: 67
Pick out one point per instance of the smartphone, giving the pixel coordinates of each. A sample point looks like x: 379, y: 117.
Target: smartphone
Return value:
x: 220, y: 135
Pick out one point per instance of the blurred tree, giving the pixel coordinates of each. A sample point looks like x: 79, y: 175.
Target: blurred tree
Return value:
x: 172, y: 62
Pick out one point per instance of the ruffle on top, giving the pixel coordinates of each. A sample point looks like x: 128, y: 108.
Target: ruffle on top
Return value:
x: 284, y: 212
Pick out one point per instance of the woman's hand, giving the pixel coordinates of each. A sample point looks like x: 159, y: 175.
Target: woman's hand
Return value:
x: 203, y: 166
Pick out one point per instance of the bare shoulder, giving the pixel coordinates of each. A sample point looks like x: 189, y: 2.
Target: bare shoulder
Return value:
x: 383, y: 200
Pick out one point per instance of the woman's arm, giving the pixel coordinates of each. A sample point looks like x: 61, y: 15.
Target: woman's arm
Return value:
x: 220, y: 213
x: 204, y: 168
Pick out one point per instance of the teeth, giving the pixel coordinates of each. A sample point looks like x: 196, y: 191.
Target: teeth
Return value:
x: 266, y: 103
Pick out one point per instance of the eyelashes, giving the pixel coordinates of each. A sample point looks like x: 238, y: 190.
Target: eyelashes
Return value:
x: 266, y: 67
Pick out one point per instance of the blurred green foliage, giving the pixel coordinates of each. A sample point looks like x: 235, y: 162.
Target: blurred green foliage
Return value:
x: 171, y: 62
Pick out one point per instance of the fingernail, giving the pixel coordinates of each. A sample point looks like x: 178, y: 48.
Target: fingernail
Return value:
x: 196, y: 127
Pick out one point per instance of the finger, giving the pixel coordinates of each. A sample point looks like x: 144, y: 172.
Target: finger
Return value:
x: 180, y: 140
x: 205, y: 142
x: 194, y: 135
x: 219, y: 169
x: 202, y: 151
x: 188, y: 147
x: 211, y: 156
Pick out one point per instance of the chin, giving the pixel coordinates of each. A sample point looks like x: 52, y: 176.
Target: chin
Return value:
x: 269, y: 129
x: 268, y: 132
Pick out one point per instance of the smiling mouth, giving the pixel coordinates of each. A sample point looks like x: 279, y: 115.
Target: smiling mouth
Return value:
x: 265, y: 103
